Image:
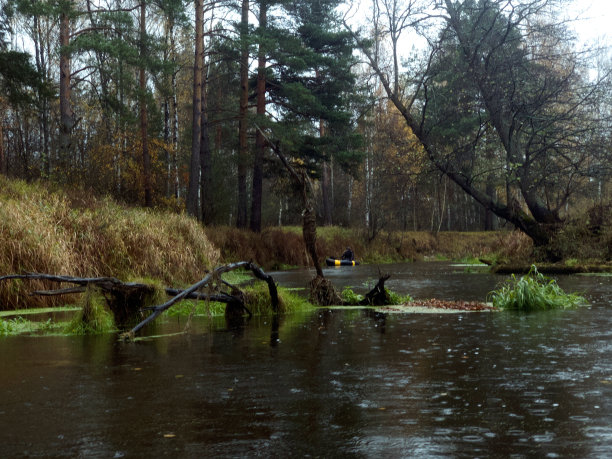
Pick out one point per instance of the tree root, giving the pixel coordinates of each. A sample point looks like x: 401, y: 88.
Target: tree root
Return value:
x: 323, y: 293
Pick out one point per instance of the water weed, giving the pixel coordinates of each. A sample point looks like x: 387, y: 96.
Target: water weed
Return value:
x: 22, y: 326
x: 532, y: 292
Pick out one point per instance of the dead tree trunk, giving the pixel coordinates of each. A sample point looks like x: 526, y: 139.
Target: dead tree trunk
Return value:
x: 378, y: 296
x: 322, y: 291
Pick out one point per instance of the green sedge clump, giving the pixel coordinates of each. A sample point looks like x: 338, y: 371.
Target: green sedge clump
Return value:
x: 350, y: 297
x: 6, y: 327
x: 396, y: 298
x: 94, y: 316
x: 533, y: 292
x: 257, y: 300
x: 197, y: 308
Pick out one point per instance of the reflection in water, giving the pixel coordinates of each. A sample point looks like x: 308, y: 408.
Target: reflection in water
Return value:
x: 330, y: 383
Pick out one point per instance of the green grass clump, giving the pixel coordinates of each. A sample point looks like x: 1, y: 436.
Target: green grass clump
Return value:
x: 198, y: 308
x: 257, y: 300
x: 532, y: 292
x: 350, y: 297
x: 396, y: 298
x: 469, y: 260
x: 291, y: 302
x: 6, y: 327
x: 94, y: 317
x: 22, y: 326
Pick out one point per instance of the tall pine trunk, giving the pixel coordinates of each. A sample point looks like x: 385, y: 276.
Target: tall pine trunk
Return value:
x: 144, y: 122
x: 326, y: 184
x: 194, y: 165
x: 243, y: 154
x: 66, y: 113
x: 3, y: 168
x: 205, y: 154
x: 260, y: 142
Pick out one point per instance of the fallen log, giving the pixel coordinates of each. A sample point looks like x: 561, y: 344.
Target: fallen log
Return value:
x: 59, y: 291
x: 257, y: 271
x: 122, y: 298
x: 125, y: 299
x: 104, y: 282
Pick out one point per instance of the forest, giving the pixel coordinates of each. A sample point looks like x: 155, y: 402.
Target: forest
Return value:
x: 390, y: 115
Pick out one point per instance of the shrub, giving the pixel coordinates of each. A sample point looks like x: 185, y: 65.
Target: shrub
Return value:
x: 533, y: 291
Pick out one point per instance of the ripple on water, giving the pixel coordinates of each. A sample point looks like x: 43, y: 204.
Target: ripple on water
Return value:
x: 583, y: 419
x: 601, y: 433
x: 539, y: 412
x: 473, y: 439
x: 543, y: 438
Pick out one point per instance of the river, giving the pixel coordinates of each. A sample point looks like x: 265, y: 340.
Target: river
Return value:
x: 341, y: 383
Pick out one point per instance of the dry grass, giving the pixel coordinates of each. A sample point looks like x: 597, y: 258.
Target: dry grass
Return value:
x: 43, y: 231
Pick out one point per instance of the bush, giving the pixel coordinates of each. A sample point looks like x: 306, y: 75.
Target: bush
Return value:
x: 534, y: 291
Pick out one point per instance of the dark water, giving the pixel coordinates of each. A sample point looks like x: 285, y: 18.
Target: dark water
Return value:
x: 330, y: 383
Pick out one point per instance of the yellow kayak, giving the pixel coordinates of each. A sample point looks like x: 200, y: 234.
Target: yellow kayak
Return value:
x: 337, y: 262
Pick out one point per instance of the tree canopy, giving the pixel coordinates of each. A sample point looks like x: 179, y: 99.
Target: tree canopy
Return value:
x: 495, y: 113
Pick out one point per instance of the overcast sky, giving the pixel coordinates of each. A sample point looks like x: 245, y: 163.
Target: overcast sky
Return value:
x: 595, y: 19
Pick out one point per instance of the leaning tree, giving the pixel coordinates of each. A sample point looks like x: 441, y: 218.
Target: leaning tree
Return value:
x: 500, y: 103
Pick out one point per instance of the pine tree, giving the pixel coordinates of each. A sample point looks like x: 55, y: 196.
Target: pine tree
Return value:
x: 314, y: 88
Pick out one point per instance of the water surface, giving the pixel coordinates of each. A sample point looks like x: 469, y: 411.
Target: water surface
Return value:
x: 328, y: 383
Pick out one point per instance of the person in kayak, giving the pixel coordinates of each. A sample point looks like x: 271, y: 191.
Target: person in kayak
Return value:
x: 348, y: 254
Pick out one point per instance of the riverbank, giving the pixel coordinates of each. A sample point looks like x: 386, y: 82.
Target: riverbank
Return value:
x: 70, y: 233
x: 282, y: 247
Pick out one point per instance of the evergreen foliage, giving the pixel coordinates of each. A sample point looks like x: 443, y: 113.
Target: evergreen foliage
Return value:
x: 313, y: 87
